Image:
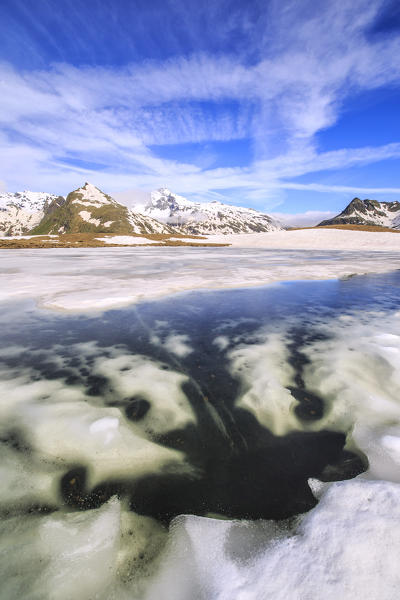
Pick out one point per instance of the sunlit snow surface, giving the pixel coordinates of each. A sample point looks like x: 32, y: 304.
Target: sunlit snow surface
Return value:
x: 247, y: 404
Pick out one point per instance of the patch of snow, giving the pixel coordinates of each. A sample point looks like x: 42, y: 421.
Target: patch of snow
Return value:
x: 191, y: 240
x: 106, y: 427
x: 108, y: 223
x: 132, y: 375
x: 124, y: 240
x: 88, y: 203
x: 175, y: 343
x: 221, y: 341
x: 265, y: 372
x: 87, y: 216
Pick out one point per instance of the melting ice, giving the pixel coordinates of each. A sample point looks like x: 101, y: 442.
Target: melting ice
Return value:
x: 215, y: 445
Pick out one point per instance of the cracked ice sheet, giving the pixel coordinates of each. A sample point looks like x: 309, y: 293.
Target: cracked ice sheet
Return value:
x: 97, y: 279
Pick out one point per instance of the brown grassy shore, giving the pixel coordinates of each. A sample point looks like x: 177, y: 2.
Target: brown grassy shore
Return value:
x: 90, y: 240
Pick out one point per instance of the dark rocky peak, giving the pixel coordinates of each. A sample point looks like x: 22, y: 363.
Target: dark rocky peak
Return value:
x: 49, y: 208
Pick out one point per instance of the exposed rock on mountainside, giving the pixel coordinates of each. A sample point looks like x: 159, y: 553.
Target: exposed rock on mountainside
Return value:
x: 89, y: 210
x: 198, y: 218
x: 368, y: 212
x: 22, y: 211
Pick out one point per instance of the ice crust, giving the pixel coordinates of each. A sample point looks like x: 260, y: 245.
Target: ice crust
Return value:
x: 347, y: 547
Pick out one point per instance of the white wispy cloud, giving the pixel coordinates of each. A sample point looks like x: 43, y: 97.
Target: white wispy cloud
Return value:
x: 66, y: 123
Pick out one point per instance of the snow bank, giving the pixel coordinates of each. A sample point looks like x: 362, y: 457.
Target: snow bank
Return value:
x: 308, y: 239
x: 347, y: 547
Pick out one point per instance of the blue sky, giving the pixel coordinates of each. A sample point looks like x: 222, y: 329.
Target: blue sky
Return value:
x: 290, y: 106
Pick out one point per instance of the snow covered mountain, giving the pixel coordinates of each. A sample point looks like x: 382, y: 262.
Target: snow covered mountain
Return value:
x: 368, y: 212
x: 204, y: 218
x: 90, y: 210
x: 22, y: 211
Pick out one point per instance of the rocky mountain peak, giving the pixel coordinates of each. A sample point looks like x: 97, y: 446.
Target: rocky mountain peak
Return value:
x: 90, y: 210
x: 368, y: 212
x: 90, y: 194
x: 204, y: 218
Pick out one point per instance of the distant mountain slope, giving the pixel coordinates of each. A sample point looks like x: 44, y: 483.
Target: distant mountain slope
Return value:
x: 22, y: 211
x: 368, y: 212
x: 204, y: 218
x: 89, y: 210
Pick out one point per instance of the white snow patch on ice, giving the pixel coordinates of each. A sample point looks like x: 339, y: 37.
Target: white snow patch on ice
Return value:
x: 221, y: 341
x: 136, y: 375
x: 66, y: 429
x: 106, y: 426
x: 265, y: 374
x: 177, y: 344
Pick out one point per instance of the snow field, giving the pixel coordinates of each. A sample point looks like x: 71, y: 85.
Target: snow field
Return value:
x: 313, y: 239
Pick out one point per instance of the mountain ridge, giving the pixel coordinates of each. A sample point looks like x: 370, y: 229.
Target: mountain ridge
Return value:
x: 367, y: 212
x: 205, y: 218
x: 89, y: 210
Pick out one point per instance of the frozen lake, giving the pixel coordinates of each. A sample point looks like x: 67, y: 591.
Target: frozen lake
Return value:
x: 269, y: 415
x: 97, y: 279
